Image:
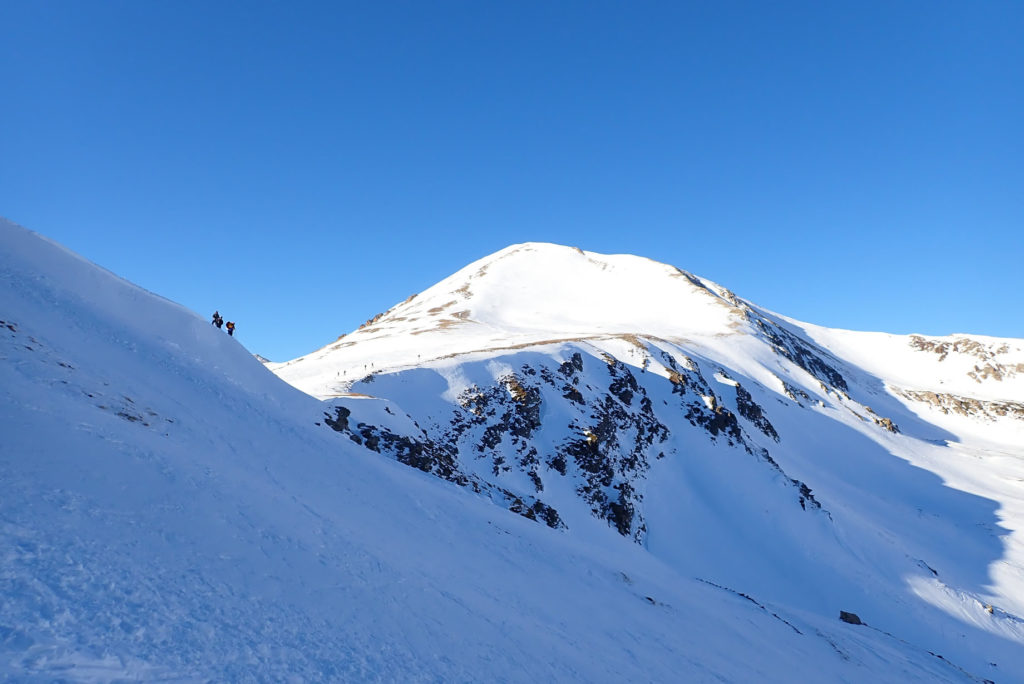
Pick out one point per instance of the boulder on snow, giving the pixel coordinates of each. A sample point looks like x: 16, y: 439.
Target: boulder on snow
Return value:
x: 850, y: 618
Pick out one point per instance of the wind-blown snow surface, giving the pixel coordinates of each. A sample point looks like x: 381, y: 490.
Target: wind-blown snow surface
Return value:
x: 170, y: 511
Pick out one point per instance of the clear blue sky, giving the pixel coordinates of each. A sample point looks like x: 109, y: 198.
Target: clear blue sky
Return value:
x: 303, y: 166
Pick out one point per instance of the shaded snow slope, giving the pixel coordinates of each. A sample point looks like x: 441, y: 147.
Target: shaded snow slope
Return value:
x: 818, y: 469
x: 171, y: 511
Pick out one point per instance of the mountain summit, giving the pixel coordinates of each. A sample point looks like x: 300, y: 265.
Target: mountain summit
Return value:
x: 546, y: 288
x: 523, y: 295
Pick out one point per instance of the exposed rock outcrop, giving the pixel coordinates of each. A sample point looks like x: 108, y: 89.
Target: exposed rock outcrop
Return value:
x: 965, y: 406
x: 989, y: 366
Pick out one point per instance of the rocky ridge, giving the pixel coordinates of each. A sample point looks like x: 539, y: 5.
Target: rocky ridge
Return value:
x: 990, y: 356
x: 577, y: 414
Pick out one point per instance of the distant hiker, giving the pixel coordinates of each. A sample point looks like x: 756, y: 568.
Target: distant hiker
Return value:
x: 217, y: 320
x: 231, y: 328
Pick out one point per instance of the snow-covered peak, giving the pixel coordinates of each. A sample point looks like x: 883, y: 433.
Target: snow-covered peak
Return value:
x: 556, y: 289
x: 527, y: 294
x: 564, y: 290
x: 535, y: 293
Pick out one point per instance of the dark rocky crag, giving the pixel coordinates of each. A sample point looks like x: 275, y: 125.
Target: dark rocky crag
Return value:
x: 587, y: 421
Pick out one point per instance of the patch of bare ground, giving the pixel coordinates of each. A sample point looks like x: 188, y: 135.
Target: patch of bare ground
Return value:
x: 455, y: 320
x: 439, y: 309
x: 726, y: 298
x: 963, y: 345
x: 986, y: 353
x: 373, y: 320
x: 450, y: 323
x: 965, y: 406
x: 525, y: 345
x: 632, y: 339
x: 996, y: 372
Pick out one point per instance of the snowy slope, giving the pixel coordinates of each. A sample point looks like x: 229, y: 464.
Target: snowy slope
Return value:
x: 821, y: 470
x: 171, y: 511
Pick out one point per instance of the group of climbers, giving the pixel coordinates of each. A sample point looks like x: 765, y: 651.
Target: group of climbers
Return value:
x: 218, y: 321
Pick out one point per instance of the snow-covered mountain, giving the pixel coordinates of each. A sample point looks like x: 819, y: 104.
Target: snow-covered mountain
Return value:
x: 707, y: 484
x: 796, y: 463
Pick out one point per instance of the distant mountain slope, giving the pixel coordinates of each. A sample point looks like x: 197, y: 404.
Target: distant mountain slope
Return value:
x: 170, y: 511
x: 587, y: 391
